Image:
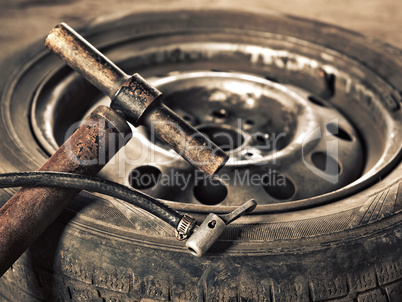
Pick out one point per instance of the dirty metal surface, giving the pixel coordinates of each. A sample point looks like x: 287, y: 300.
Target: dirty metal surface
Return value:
x: 135, y: 99
x: 31, y: 210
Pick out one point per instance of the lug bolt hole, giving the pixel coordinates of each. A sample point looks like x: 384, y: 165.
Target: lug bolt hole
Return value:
x: 220, y: 114
x: 260, y: 139
x: 210, y: 191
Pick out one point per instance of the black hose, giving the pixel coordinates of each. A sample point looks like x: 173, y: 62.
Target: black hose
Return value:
x: 93, y: 184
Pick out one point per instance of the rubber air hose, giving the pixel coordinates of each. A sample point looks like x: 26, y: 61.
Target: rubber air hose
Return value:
x: 92, y: 184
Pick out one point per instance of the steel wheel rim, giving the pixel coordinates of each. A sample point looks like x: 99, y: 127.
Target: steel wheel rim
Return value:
x: 380, y: 168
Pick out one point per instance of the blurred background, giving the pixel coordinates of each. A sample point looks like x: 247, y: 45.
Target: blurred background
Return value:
x: 23, y: 22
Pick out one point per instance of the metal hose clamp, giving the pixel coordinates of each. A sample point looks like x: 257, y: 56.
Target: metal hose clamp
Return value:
x: 184, y: 227
x: 204, y: 236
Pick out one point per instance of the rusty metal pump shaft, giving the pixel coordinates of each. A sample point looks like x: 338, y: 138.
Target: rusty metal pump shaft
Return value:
x: 31, y: 210
x: 138, y: 101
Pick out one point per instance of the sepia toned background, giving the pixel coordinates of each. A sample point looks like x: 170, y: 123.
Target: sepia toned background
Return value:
x: 314, y: 273
x: 23, y: 22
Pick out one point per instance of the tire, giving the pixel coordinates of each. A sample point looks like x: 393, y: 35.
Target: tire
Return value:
x: 342, y: 245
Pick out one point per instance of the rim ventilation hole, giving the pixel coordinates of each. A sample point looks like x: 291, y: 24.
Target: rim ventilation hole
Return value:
x: 325, y: 163
x: 337, y: 131
x: 249, y: 122
x: 316, y: 101
x: 144, y: 177
x: 210, y: 191
x: 227, y: 139
x: 278, y: 186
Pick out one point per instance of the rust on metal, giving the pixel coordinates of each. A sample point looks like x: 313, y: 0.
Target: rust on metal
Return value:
x: 188, y: 142
x: 31, y: 210
x: 135, y: 99
x: 85, y: 59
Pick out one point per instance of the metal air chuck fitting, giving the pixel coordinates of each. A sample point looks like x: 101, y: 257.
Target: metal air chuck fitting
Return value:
x: 212, y: 227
